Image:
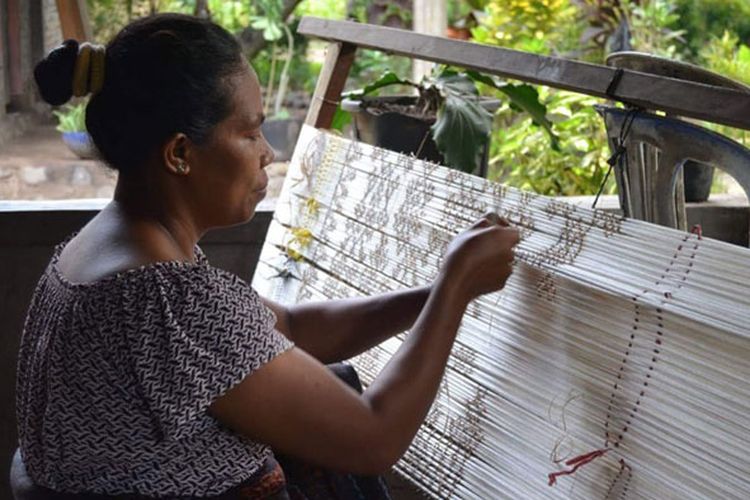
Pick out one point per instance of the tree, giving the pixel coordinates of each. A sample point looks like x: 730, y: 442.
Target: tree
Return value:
x: 201, y: 9
x: 253, y: 41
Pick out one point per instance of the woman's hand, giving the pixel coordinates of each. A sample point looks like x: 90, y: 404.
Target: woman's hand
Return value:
x: 480, y: 259
x: 294, y: 404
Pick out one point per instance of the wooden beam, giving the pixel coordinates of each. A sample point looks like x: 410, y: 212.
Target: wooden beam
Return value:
x: 74, y: 19
x: 677, y: 97
x: 339, y: 59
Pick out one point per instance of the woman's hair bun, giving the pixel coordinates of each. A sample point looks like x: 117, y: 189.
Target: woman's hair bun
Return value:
x: 54, y: 73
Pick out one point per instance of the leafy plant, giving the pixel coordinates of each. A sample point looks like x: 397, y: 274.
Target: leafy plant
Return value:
x: 271, y: 22
x: 727, y: 56
x: 329, y: 9
x: 519, y: 154
x: 462, y: 125
x: 109, y: 16
x: 703, y: 20
x: 72, y: 117
x: 539, y: 26
x: 520, y: 157
x: 652, y: 27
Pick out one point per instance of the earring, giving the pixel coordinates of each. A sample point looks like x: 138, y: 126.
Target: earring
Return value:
x: 181, y: 167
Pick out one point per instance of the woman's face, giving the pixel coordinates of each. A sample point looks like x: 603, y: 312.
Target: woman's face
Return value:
x: 227, y: 174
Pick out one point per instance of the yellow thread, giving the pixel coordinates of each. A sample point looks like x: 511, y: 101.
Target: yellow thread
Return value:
x: 301, y: 238
x: 293, y: 254
x: 312, y: 206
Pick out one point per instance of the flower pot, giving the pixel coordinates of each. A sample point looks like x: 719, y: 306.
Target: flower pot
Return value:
x: 388, y: 122
x: 81, y: 144
x: 282, y: 135
x: 698, y: 178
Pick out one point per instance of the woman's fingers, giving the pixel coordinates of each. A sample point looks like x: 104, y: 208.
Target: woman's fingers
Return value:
x: 491, y: 219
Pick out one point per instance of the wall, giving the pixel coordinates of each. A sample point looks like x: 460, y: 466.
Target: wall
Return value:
x: 3, y: 63
x: 39, y: 32
x: 52, y: 30
x: 28, y: 233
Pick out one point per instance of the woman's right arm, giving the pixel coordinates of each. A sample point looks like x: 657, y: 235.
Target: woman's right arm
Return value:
x: 297, y: 406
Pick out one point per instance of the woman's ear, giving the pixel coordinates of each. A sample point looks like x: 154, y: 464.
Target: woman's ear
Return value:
x: 175, y: 154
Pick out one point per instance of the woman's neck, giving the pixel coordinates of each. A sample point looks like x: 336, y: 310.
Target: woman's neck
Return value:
x: 158, y: 221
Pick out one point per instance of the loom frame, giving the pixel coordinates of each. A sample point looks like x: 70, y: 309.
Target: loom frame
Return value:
x: 654, y: 92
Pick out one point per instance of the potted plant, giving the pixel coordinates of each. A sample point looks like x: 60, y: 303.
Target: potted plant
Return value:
x: 280, y: 129
x: 447, y: 122
x: 72, y: 124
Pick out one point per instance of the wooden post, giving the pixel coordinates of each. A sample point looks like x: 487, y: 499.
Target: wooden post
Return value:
x: 74, y: 19
x: 430, y: 18
x: 338, y: 62
x: 15, y: 78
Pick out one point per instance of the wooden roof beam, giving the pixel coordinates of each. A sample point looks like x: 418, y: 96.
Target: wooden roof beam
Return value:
x: 677, y: 97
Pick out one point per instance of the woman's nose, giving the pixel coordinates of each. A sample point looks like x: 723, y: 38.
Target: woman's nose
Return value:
x: 268, y: 155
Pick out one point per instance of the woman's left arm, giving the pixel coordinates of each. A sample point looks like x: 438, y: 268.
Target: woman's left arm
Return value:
x: 336, y: 330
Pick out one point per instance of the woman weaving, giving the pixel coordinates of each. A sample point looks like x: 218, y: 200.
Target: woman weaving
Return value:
x: 146, y: 372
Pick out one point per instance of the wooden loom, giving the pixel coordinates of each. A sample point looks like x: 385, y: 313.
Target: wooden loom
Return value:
x: 620, y: 347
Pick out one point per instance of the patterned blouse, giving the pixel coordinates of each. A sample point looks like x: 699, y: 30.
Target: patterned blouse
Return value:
x: 115, y: 378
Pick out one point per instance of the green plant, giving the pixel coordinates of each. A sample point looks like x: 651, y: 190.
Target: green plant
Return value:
x: 539, y: 26
x: 520, y: 157
x: 271, y: 22
x: 652, y: 25
x: 329, y: 9
x: 519, y: 154
x: 462, y: 125
x: 108, y: 17
x: 72, y: 117
x: 703, y: 20
x: 727, y: 56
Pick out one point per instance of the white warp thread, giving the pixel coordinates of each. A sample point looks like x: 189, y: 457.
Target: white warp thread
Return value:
x: 611, y: 333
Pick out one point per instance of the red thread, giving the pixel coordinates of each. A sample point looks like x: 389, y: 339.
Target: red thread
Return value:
x: 698, y: 230
x: 576, y: 463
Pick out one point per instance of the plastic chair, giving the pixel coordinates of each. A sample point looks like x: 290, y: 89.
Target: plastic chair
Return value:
x: 649, y: 172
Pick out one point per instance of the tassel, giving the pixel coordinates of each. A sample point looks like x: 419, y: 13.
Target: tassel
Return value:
x: 576, y: 463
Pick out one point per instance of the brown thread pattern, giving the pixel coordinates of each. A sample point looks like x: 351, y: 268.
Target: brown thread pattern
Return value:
x: 669, y: 284
x: 617, y: 480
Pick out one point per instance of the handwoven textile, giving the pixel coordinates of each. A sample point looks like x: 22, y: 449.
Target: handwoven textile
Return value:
x: 618, y: 351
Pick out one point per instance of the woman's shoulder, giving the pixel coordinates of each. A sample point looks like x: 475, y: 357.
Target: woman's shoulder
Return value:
x: 109, y: 248
x: 113, y: 268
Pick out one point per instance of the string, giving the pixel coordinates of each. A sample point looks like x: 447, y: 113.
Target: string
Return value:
x: 519, y: 350
x: 620, y: 148
x: 576, y: 463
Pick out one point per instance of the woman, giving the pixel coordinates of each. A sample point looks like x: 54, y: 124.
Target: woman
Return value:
x: 143, y: 370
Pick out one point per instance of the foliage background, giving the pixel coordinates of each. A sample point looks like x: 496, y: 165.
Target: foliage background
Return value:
x: 711, y: 33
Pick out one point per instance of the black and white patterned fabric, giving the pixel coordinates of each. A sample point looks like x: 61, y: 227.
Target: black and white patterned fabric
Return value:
x: 115, y: 378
